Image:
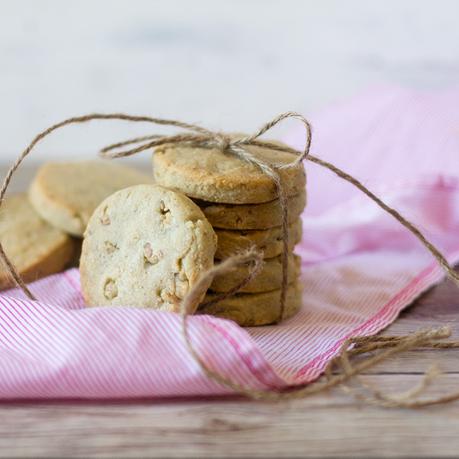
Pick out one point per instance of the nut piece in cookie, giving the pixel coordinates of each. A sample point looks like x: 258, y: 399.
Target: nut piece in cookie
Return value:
x: 154, y: 249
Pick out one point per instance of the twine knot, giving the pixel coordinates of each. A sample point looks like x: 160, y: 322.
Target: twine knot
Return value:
x: 222, y: 142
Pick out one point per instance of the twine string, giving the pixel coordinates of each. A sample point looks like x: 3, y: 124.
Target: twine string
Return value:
x: 409, y: 398
x: 195, y: 135
x: 251, y: 257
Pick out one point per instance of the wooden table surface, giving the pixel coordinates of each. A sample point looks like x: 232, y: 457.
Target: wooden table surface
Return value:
x: 331, y: 424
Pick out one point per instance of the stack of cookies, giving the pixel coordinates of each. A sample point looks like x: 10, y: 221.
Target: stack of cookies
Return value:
x: 147, y: 245
x: 241, y: 204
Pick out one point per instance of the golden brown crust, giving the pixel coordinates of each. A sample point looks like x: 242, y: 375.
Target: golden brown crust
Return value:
x: 269, y: 241
x: 66, y: 193
x: 216, y: 176
x: 268, y: 279
x: 255, y: 309
x: 252, y: 216
x: 35, y: 248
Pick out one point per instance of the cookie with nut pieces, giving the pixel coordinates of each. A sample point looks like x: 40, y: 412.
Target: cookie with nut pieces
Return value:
x: 145, y: 246
x: 214, y: 175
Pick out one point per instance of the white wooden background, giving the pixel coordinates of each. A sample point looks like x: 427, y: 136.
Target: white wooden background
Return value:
x: 227, y: 64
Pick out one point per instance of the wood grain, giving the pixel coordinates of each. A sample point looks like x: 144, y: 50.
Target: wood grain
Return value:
x: 323, y: 426
x: 327, y: 425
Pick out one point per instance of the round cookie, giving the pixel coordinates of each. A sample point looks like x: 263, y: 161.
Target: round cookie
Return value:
x: 145, y: 246
x: 35, y: 248
x: 65, y: 194
x: 252, y: 216
x: 255, y: 309
x: 269, y: 278
x: 217, y: 176
x: 269, y: 240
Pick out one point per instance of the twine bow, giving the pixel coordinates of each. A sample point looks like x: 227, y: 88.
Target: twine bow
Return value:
x: 198, y: 136
x: 204, y: 138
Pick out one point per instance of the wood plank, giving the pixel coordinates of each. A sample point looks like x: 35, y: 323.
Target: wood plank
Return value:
x: 326, y: 425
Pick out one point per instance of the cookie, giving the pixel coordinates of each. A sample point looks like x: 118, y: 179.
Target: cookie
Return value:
x: 35, y: 248
x: 65, y: 194
x: 269, y: 278
x: 252, y: 216
x: 217, y: 176
x: 269, y: 240
x: 255, y: 309
x: 145, y: 246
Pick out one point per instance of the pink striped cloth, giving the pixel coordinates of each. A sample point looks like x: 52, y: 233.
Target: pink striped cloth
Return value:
x: 360, y: 269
